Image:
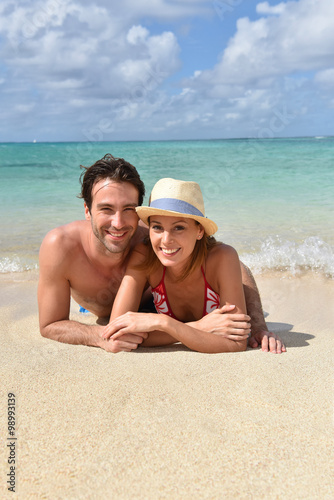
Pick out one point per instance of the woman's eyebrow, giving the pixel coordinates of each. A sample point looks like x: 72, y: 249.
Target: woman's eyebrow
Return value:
x: 181, y: 221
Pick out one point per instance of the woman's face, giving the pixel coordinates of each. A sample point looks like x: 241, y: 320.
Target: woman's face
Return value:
x: 173, y: 238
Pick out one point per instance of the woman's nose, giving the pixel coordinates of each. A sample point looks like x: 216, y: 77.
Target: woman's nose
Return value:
x: 166, y: 237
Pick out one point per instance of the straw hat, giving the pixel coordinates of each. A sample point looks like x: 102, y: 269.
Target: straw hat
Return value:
x: 172, y: 197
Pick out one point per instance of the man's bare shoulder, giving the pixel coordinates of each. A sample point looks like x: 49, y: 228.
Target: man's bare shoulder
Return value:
x: 63, y: 239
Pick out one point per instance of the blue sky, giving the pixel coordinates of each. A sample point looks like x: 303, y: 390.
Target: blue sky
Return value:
x: 165, y: 69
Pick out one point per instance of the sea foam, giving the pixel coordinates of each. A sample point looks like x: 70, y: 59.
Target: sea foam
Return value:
x: 16, y: 265
x: 276, y: 254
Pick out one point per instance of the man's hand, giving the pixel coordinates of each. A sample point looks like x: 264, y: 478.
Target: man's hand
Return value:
x: 268, y: 341
x: 222, y: 321
x: 127, y: 342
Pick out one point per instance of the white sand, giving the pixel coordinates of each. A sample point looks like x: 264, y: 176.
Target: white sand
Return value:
x: 169, y: 423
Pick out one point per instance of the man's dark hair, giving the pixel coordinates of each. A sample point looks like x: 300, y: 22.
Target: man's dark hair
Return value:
x: 116, y: 169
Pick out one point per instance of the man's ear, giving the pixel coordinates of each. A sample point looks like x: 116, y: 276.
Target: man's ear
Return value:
x: 87, y: 212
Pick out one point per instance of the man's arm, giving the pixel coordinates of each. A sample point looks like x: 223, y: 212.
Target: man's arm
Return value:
x: 54, y: 296
x: 259, y: 330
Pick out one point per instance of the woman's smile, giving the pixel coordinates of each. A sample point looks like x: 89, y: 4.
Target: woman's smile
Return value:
x: 169, y: 251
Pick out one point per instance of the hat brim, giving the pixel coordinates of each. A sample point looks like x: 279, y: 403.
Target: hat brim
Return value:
x: 144, y: 213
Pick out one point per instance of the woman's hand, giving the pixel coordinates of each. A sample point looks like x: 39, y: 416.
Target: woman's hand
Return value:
x: 222, y: 321
x: 131, y: 322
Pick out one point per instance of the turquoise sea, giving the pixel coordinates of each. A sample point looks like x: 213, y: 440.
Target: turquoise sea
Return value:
x: 273, y: 199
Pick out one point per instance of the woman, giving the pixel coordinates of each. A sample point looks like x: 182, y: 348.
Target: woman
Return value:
x: 190, y: 274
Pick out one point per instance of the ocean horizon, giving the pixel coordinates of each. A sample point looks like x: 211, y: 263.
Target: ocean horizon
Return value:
x: 273, y: 199
x: 301, y: 137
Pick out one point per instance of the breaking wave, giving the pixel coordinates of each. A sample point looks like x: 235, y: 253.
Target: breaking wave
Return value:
x: 276, y: 254
x: 16, y: 265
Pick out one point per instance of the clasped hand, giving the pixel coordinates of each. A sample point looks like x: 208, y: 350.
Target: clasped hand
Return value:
x: 128, y: 331
x: 219, y: 322
x: 123, y: 334
x: 222, y: 321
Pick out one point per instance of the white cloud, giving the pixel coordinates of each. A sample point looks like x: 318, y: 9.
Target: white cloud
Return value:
x: 156, y: 59
x: 164, y: 10
x: 85, y: 50
x: 265, y: 8
x: 232, y: 116
x: 24, y: 108
x: 78, y: 103
x: 325, y: 78
x: 137, y: 34
x: 70, y: 83
x: 263, y: 66
x: 300, y: 38
x: 85, y: 63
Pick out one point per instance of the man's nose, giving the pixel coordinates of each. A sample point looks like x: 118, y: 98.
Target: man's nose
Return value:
x: 118, y: 220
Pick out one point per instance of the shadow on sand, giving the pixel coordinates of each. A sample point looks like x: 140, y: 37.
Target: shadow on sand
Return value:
x: 290, y: 339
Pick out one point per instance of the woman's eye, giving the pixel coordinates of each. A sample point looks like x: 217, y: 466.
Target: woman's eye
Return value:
x: 179, y: 228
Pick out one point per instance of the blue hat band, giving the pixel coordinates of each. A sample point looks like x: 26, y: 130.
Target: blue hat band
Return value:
x: 176, y: 206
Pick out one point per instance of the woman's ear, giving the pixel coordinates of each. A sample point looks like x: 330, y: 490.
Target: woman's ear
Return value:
x: 200, y: 232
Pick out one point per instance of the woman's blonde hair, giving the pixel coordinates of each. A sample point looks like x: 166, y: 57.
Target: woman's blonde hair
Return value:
x: 198, y: 256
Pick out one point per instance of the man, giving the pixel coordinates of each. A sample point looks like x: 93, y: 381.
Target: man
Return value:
x: 87, y: 260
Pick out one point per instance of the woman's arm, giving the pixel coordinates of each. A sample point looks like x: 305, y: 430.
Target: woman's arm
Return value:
x: 132, y: 287
x: 226, y: 267
x: 128, y: 299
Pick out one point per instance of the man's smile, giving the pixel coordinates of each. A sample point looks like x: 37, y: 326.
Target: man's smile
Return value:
x: 116, y: 234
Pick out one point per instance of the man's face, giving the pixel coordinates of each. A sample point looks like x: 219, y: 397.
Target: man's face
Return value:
x: 113, y: 216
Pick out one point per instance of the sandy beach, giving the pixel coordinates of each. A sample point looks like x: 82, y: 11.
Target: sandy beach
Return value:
x: 168, y: 423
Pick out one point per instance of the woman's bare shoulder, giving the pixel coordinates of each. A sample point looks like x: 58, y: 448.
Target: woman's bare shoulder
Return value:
x: 220, y: 262
x: 221, y: 250
x: 138, y: 254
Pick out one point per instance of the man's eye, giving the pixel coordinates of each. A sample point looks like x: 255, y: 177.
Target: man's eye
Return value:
x: 129, y: 209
